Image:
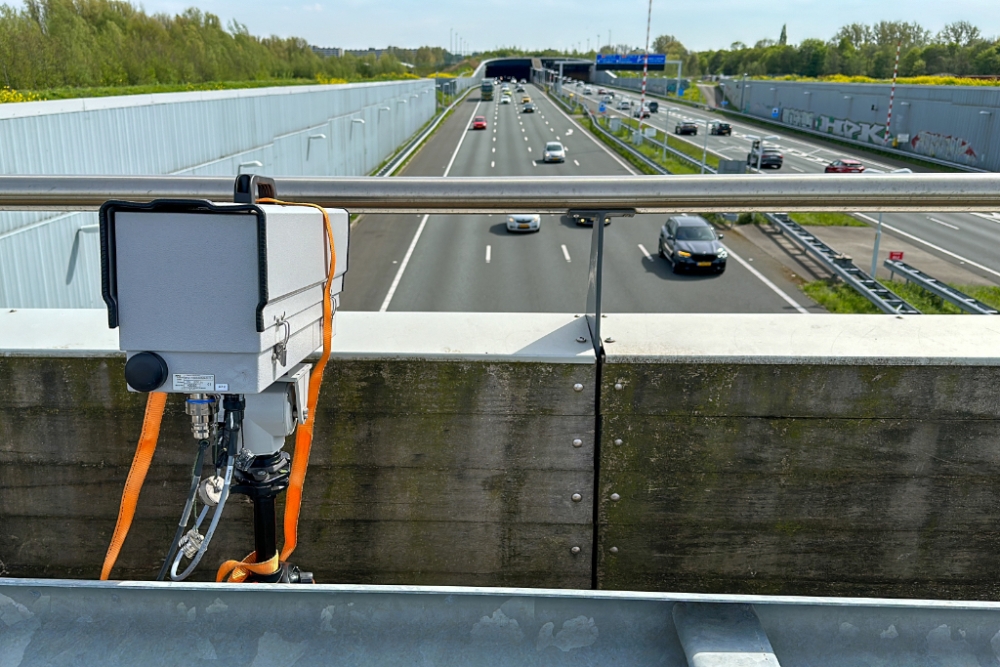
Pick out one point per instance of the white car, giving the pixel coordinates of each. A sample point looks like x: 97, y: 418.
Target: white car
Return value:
x: 588, y: 90
x: 505, y: 99
x: 524, y: 222
x: 554, y: 152
x: 624, y: 105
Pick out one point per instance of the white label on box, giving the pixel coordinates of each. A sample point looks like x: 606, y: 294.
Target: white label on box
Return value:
x: 222, y: 387
x: 192, y: 383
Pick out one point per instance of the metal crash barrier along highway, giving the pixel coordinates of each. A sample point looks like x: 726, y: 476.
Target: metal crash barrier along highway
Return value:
x: 263, y: 378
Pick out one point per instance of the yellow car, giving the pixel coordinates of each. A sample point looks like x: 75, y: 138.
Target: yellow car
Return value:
x: 525, y: 99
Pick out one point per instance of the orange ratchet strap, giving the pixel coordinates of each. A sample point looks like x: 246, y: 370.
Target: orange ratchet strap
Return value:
x: 304, y: 433
x: 155, y: 404
x: 237, y: 571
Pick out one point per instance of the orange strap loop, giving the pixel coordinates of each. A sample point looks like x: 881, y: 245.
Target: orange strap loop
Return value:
x: 155, y: 403
x: 304, y: 434
x: 238, y: 570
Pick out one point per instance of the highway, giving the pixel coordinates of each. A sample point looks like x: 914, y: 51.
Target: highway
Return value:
x: 472, y: 263
x: 972, y: 239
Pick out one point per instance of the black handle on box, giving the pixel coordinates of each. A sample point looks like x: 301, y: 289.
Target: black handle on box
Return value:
x: 251, y: 187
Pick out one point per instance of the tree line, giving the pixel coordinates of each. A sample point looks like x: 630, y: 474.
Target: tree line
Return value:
x: 57, y: 43
x: 857, y: 49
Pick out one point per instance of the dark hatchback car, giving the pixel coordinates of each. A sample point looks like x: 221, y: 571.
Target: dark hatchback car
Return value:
x: 686, y: 127
x: 722, y: 129
x: 528, y: 108
x: 689, y: 243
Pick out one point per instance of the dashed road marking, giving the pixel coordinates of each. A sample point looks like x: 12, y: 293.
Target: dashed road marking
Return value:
x: 645, y: 252
x: 566, y: 253
x: 487, y: 254
x: 801, y: 171
x: 576, y: 163
x: 492, y: 164
x: 942, y: 222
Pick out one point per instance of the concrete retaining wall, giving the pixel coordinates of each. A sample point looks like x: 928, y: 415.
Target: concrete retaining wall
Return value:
x: 955, y: 124
x: 826, y: 455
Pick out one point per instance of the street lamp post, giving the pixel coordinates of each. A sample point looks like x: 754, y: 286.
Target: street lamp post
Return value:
x: 704, y: 149
x: 743, y: 90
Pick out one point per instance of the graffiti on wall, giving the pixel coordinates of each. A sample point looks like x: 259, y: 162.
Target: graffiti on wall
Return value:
x: 798, y: 118
x: 869, y: 133
x: 944, y: 147
x: 931, y: 144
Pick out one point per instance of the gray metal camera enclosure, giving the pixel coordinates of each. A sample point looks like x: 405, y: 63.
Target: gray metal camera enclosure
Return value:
x: 228, y: 296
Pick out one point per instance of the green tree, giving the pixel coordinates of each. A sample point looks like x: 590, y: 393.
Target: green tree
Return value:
x: 783, y: 39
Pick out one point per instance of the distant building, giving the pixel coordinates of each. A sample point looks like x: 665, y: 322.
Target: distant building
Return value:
x: 327, y: 51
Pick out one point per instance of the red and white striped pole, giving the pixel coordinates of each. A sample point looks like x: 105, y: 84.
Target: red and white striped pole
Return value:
x: 645, y: 65
x: 892, y: 95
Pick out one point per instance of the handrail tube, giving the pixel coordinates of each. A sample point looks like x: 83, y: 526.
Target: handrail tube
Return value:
x: 645, y: 194
x: 934, y: 286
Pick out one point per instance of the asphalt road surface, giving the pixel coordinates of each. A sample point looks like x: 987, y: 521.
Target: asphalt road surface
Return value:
x: 972, y: 239
x: 472, y: 263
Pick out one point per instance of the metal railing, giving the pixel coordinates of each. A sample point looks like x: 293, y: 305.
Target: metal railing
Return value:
x: 844, y: 267
x: 936, y: 287
x: 644, y: 194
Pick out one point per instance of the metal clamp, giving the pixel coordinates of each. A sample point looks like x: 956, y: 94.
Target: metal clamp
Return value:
x: 280, y: 351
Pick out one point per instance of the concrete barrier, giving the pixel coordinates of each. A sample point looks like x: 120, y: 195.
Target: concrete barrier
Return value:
x: 847, y: 455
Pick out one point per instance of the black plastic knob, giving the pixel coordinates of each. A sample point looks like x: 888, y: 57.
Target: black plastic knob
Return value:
x: 146, y: 371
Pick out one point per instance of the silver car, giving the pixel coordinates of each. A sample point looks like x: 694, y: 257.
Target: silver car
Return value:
x: 524, y: 222
x: 554, y: 152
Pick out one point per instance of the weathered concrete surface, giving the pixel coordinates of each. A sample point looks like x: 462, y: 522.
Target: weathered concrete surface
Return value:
x: 765, y: 454
x: 784, y: 477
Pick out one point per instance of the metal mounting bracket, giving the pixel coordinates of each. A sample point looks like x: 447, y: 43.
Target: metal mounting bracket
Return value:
x: 596, y: 277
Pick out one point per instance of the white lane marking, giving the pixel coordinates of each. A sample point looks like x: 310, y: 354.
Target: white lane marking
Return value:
x: 533, y: 164
x: 992, y: 217
x: 423, y: 223
x: 576, y: 163
x: 569, y: 131
x: 565, y: 253
x: 529, y: 149
x: 523, y: 130
x: 792, y: 166
x: 774, y: 288
x: 494, y: 138
x: 943, y: 223
x: 645, y: 252
x: 492, y: 164
x: 494, y: 149
x: 552, y: 129
x: 526, y: 138
x: 598, y: 143
x: 487, y: 254
x: 928, y: 244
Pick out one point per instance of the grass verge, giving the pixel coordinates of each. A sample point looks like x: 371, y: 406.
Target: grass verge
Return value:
x: 826, y: 220
x: 837, y: 297
x: 688, y: 149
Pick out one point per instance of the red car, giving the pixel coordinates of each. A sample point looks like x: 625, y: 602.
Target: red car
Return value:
x: 845, y: 166
x: 479, y: 123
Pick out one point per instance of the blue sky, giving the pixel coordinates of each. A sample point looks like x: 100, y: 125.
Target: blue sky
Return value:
x: 700, y: 25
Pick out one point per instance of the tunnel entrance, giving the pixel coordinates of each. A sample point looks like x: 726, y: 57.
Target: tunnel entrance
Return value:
x: 506, y: 68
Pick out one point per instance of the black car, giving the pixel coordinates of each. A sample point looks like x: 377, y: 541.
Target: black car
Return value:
x: 771, y: 158
x: 690, y: 243
x: 686, y: 127
x: 528, y: 108
x: 724, y: 129
x: 653, y: 107
x: 587, y: 220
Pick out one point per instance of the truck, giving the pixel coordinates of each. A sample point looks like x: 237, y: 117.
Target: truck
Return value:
x: 486, y: 90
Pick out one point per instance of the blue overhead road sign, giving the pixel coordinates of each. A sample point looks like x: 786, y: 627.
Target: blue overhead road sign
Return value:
x: 633, y: 59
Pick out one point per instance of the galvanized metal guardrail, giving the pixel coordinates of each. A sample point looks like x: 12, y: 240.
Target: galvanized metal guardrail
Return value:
x: 844, y: 267
x: 652, y: 164
x: 396, y: 161
x: 934, y: 286
x: 644, y: 194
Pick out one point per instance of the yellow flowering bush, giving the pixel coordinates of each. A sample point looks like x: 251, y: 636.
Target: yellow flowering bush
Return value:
x: 10, y: 95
